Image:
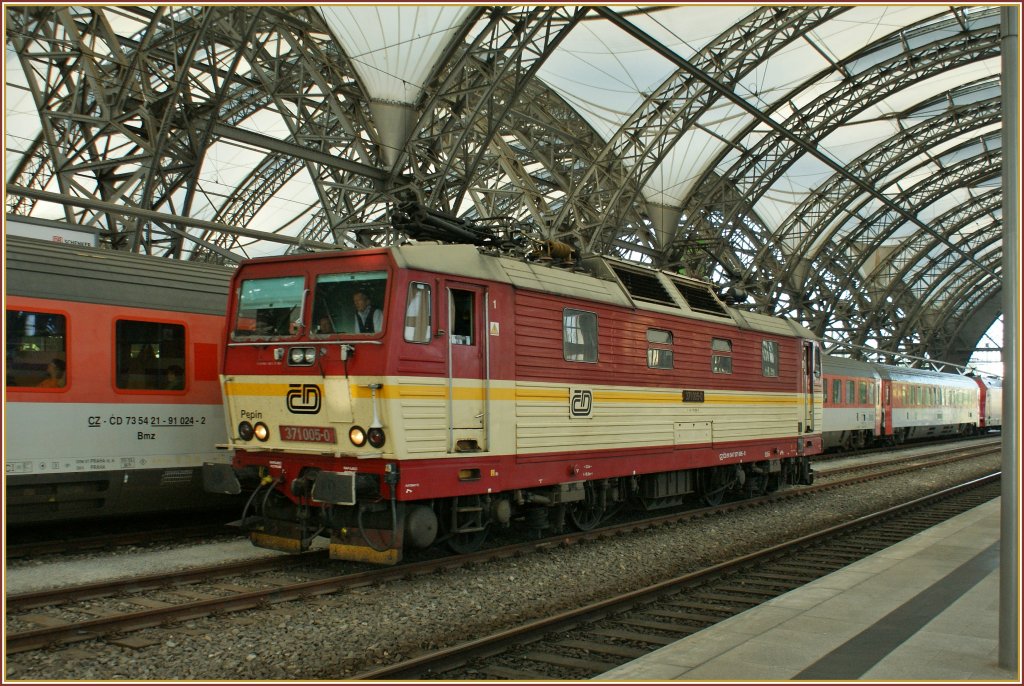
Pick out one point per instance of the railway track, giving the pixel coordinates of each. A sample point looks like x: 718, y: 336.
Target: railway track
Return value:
x: 585, y: 643
x: 39, y: 619
x: 30, y: 543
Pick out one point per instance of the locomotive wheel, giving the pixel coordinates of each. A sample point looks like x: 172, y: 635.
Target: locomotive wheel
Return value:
x: 712, y: 483
x: 756, y: 485
x: 586, y: 514
x: 464, y: 524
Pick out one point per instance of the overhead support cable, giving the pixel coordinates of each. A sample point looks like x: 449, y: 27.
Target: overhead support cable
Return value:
x: 667, y: 53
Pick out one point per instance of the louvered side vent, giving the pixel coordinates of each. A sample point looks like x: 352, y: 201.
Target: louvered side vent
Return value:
x: 700, y: 298
x: 644, y: 286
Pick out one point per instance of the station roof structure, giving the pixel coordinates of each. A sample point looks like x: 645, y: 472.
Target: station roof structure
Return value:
x: 838, y: 164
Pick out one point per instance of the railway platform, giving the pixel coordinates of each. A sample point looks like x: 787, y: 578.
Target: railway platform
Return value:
x: 925, y: 609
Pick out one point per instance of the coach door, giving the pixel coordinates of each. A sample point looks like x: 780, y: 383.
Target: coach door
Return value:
x: 468, y: 369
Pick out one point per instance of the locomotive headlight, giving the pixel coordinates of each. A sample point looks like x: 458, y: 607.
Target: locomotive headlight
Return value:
x: 301, y: 356
x: 262, y: 431
x: 376, y: 436
x: 357, y: 436
x: 245, y: 431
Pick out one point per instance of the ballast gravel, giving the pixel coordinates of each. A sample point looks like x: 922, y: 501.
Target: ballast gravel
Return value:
x: 338, y: 636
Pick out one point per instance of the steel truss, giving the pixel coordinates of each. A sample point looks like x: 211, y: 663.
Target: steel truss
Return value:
x: 132, y: 99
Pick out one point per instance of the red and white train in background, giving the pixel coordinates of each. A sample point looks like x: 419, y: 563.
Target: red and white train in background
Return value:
x: 867, y: 403
x: 112, y: 398
x: 500, y: 390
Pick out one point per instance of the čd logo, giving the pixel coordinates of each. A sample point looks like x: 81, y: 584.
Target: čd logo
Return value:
x: 303, y: 398
x: 582, y: 403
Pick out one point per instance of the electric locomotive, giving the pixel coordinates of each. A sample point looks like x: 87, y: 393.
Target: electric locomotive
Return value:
x: 398, y: 397
x: 112, y: 401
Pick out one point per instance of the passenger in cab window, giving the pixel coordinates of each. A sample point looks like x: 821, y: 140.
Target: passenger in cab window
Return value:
x: 55, y: 374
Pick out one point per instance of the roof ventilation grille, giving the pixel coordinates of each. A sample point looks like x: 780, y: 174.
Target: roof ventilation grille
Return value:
x: 644, y: 286
x: 700, y: 298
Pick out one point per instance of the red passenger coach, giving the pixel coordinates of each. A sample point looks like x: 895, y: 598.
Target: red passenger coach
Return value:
x: 990, y: 413
x: 853, y: 404
x: 395, y: 397
x: 112, y: 401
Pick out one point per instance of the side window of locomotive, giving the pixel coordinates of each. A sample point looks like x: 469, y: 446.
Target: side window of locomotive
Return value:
x: 721, y: 356
x: 417, y: 313
x: 579, y: 336
x: 149, y: 355
x: 769, y: 358
x: 36, y: 349
x: 462, y: 308
x: 268, y: 307
x: 350, y: 303
x: 659, y: 349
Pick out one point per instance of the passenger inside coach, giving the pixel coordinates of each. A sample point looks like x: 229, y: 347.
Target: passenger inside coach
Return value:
x: 175, y: 380
x: 56, y: 374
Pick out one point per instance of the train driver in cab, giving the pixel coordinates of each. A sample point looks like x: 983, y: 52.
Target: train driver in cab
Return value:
x: 369, y: 317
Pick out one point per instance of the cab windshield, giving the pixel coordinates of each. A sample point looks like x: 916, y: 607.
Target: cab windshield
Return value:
x: 269, y: 307
x: 349, y: 304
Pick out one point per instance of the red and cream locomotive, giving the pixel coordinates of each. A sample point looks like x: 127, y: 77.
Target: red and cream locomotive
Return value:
x: 398, y: 397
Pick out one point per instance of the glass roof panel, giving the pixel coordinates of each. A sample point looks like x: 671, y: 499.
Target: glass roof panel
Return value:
x: 907, y: 172
x: 686, y: 29
x: 806, y: 173
x: 863, y: 25
x: 923, y: 91
x: 685, y: 162
x: 394, y: 47
x: 848, y: 142
x: 21, y: 120
x: 604, y: 74
x: 776, y: 78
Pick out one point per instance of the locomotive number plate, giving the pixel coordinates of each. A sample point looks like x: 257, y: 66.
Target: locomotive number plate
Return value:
x: 309, y: 434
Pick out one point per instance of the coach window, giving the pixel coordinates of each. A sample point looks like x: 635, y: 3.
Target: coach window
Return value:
x: 579, y: 336
x: 863, y: 392
x: 850, y: 393
x: 769, y: 358
x: 36, y: 349
x: 659, y: 349
x: 721, y: 363
x: 837, y: 391
x: 150, y: 355
x: 417, y: 313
